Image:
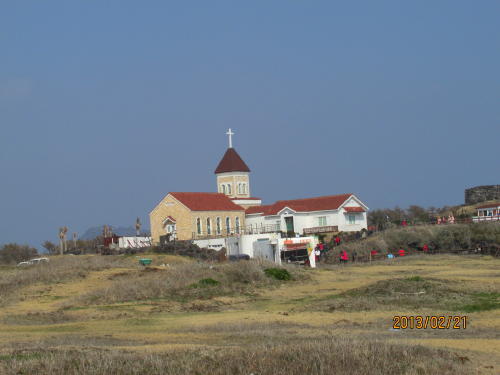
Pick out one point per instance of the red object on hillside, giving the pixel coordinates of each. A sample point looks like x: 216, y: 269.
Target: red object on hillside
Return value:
x: 337, y: 240
x: 425, y: 248
x: 404, y: 223
x: 373, y: 252
x: 401, y: 252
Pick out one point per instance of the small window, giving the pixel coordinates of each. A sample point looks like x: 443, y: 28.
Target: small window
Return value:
x: 228, y: 225
x: 223, y: 189
x: 229, y: 188
x: 209, y: 226
x: 198, y: 225
x: 351, y: 219
x: 322, y: 221
x: 237, y: 224
x: 218, y: 226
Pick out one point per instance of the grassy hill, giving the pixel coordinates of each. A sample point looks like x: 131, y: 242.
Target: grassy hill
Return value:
x: 105, y: 315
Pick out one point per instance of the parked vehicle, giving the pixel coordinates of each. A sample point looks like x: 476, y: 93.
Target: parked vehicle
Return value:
x: 33, y: 261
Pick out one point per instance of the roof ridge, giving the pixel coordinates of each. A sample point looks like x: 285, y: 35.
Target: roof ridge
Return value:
x: 194, y: 192
x: 320, y: 197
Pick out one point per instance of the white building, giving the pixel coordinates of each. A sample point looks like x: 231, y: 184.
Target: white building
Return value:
x: 333, y: 213
x: 487, y: 212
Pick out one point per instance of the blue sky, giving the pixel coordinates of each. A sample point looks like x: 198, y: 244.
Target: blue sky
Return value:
x: 105, y: 106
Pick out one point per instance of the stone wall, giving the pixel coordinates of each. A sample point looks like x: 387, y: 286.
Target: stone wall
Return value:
x: 480, y: 194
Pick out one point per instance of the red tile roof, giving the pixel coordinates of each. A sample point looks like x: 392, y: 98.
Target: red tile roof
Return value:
x: 257, y: 209
x: 491, y: 205
x: 330, y: 202
x: 206, y: 201
x: 354, y: 209
x: 231, y: 162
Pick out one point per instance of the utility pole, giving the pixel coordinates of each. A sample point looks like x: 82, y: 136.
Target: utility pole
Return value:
x: 62, y: 240
x: 65, y: 239
x: 137, y: 231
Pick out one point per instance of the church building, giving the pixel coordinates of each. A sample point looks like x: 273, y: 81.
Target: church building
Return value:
x: 233, y: 212
x: 189, y: 216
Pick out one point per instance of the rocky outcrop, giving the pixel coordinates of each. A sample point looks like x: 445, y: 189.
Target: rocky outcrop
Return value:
x: 480, y: 194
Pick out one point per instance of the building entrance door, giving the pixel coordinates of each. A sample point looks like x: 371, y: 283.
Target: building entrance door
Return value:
x: 289, y: 224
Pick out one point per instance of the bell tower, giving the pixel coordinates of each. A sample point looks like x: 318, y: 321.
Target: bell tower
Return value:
x: 233, y: 176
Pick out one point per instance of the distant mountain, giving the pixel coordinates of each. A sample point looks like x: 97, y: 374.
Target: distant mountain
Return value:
x: 93, y: 232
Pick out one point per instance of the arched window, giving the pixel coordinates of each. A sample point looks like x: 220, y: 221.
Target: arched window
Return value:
x: 228, y: 225
x: 218, y: 226
x: 229, y: 188
x: 223, y: 189
x: 244, y: 188
x: 209, y: 226
x: 198, y: 225
x: 237, y: 224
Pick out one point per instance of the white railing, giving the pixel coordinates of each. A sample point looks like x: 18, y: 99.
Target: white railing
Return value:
x: 477, y: 219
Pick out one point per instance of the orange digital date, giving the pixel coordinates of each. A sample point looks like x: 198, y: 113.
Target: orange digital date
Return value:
x: 429, y: 321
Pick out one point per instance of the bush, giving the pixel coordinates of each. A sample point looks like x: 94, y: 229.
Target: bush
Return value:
x: 186, y: 248
x: 278, y: 273
x: 205, y: 283
x: 14, y: 253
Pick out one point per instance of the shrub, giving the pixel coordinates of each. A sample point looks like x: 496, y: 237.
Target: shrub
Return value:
x: 278, y: 273
x: 14, y: 253
x: 186, y: 248
x: 415, y: 278
x: 437, y: 237
x: 205, y: 283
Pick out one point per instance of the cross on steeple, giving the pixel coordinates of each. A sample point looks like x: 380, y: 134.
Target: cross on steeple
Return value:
x: 230, y: 134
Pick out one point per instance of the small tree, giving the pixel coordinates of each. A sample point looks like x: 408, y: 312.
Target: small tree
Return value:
x: 417, y: 213
x: 50, y: 247
x: 14, y: 253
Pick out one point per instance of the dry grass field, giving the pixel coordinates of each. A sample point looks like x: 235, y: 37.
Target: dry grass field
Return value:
x: 109, y: 315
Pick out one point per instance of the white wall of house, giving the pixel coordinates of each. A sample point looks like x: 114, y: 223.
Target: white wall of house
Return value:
x: 346, y: 221
x: 248, y: 242
x: 232, y: 244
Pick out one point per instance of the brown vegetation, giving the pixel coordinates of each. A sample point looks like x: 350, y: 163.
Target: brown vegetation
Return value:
x: 414, y: 293
x: 184, y: 282
x: 57, y: 270
x: 437, y: 237
x: 337, y: 355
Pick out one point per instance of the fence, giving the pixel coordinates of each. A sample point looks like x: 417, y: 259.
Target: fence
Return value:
x: 249, y: 229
